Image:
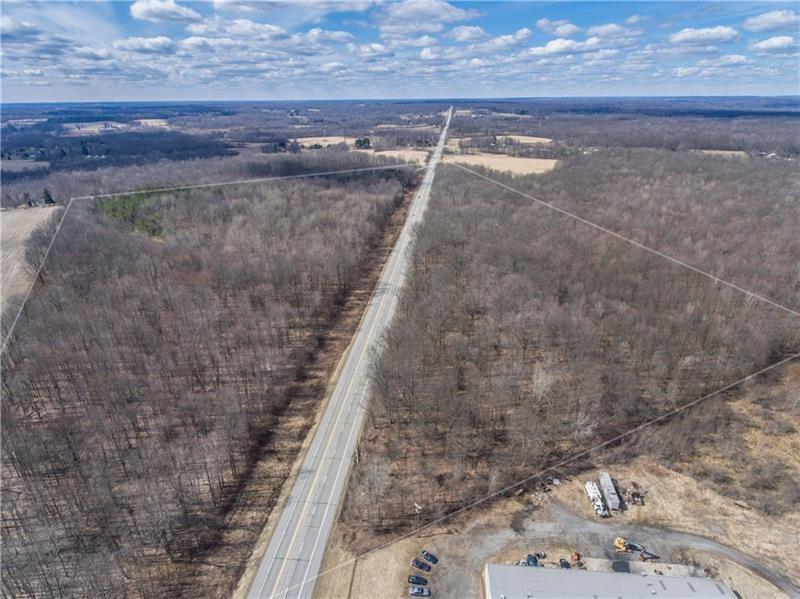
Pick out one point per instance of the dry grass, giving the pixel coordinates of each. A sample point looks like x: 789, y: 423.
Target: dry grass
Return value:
x: 154, y: 123
x: 325, y: 141
x: 429, y: 128
x: 15, y: 228
x: 726, y: 153
x: 416, y: 156
x: 501, y: 162
x: 511, y: 115
x: 528, y: 139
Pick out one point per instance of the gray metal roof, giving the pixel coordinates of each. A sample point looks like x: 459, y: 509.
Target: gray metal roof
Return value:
x: 518, y: 582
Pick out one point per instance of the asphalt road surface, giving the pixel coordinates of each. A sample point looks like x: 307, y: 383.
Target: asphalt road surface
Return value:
x: 292, y: 561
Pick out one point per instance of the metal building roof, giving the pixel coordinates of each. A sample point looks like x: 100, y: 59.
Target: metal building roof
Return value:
x: 609, y: 492
x: 517, y: 582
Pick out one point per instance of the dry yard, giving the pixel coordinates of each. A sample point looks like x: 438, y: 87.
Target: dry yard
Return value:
x: 15, y: 227
x: 561, y: 522
x: 501, y: 162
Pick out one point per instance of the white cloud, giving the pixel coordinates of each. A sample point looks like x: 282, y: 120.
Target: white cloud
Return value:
x: 159, y: 11
x: 706, y: 35
x: 428, y: 54
x: 315, y: 6
x: 561, y: 28
x: 634, y: 19
x: 774, y: 20
x: 778, y: 44
x: 612, y: 30
x: 566, y: 46
x: 330, y: 67
x: 727, y: 60
x: 413, y: 42
x: 238, y: 29
x: 685, y: 71
x: 467, y: 33
x: 317, y: 35
x: 89, y: 53
x: 369, y: 51
x: 195, y: 43
x: 435, y: 10
x: 504, y: 42
x: 146, y: 45
x: 16, y: 30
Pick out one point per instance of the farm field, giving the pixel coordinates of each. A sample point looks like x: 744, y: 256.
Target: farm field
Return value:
x: 726, y: 153
x: 528, y: 139
x: 326, y: 140
x: 16, y: 227
x: 418, y: 156
x: 502, y: 162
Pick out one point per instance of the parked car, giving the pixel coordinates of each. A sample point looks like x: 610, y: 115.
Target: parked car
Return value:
x: 564, y: 564
x: 532, y: 560
x: 420, y: 565
x: 419, y: 592
x: 418, y: 580
x: 430, y: 557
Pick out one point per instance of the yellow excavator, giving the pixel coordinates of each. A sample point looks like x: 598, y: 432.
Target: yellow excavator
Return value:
x: 623, y: 545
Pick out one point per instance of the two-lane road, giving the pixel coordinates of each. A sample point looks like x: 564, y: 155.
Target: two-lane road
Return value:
x: 292, y: 561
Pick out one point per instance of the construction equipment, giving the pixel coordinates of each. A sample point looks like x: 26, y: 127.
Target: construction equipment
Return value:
x: 623, y: 545
x: 647, y: 556
x: 596, y: 498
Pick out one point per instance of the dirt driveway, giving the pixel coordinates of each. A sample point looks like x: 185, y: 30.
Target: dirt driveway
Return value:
x: 467, y: 543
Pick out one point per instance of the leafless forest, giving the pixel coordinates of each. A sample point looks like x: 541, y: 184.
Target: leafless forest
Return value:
x: 149, y: 372
x: 524, y: 335
x: 171, y: 352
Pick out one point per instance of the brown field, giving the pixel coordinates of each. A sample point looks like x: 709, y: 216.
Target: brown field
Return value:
x: 15, y: 228
x: 726, y: 153
x: 512, y: 115
x: 418, y: 156
x: 501, y: 162
x: 528, y: 139
x: 154, y: 123
x: 95, y: 128
x: 406, y: 127
x: 324, y: 141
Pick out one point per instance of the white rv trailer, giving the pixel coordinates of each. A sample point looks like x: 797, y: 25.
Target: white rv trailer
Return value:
x: 596, y: 498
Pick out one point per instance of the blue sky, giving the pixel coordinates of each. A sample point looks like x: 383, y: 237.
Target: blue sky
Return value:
x: 297, y: 49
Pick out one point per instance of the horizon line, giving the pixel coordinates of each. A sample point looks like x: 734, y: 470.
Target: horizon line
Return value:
x: 409, y: 99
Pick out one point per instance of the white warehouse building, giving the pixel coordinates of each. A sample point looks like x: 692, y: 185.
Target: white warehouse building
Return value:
x: 517, y: 582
